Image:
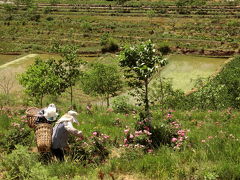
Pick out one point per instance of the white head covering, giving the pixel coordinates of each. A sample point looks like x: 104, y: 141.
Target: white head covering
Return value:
x: 73, y: 114
x: 69, y: 116
x: 50, y: 112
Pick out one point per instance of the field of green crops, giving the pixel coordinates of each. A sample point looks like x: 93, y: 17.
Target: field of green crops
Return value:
x: 211, y: 30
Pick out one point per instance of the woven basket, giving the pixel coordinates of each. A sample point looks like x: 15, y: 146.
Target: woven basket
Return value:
x: 32, y: 116
x: 43, y: 133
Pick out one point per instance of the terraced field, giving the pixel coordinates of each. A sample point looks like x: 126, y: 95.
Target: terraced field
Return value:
x: 209, y: 30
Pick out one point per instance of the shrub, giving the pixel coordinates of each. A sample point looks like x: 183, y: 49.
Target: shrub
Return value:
x: 148, y: 136
x: 229, y: 77
x: 180, y: 3
x: 108, y: 43
x: 163, y: 96
x: 49, y: 18
x: 210, y: 95
x: 92, y: 150
x: 219, y: 92
x: 21, y: 164
x: 164, y: 49
x: 17, y: 135
x: 120, y: 105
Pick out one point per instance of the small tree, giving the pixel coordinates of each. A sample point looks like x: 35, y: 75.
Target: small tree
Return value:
x: 71, y: 67
x: 102, y: 80
x: 141, y: 62
x: 42, y: 78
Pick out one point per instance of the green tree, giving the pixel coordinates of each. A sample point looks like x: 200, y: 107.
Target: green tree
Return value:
x: 140, y: 63
x: 71, y: 64
x: 42, y: 78
x: 102, y: 80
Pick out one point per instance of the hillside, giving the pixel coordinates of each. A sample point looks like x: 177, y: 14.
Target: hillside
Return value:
x: 119, y: 89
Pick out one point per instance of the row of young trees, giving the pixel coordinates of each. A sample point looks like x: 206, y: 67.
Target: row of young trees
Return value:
x: 54, y: 77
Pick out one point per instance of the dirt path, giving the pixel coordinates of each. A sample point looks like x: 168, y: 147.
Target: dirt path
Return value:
x: 17, y: 60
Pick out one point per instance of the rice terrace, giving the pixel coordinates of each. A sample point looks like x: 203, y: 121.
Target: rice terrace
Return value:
x: 120, y: 89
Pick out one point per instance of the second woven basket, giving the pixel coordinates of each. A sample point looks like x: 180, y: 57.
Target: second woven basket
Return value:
x: 43, y: 133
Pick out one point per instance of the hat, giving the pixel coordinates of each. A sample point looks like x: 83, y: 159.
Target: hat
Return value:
x: 73, y: 114
x: 50, y: 112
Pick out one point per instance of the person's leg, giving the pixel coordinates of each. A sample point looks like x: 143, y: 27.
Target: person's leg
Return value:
x: 58, y: 153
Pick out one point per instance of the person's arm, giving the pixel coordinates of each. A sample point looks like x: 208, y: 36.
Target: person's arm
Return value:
x: 69, y: 127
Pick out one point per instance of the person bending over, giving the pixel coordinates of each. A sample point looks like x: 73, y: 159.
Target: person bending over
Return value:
x: 61, y: 131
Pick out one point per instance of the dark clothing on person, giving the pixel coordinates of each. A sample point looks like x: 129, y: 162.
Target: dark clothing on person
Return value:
x: 41, y: 118
x: 58, y: 153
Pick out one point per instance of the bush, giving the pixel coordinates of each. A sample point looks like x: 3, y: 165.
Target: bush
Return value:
x: 164, y: 49
x: 120, y: 105
x: 229, y: 77
x: 210, y: 95
x: 148, y: 136
x: 108, y: 44
x: 164, y: 96
x: 92, y: 150
x: 219, y: 92
x: 17, y: 135
x: 49, y: 18
x: 21, y: 164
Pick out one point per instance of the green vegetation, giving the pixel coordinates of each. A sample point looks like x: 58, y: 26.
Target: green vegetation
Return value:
x: 149, y: 129
x: 42, y: 78
x: 102, y: 80
x: 212, y: 141
x: 203, y: 30
x: 140, y: 63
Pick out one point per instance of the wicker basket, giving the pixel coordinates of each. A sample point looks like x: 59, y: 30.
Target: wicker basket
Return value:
x: 32, y: 116
x: 43, y: 133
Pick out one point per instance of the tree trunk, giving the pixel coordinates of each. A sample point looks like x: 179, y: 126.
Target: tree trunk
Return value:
x: 108, y: 104
x: 41, y: 101
x: 146, y: 97
x: 71, y: 94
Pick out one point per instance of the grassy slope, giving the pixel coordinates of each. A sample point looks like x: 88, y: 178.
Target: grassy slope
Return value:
x: 211, y: 150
